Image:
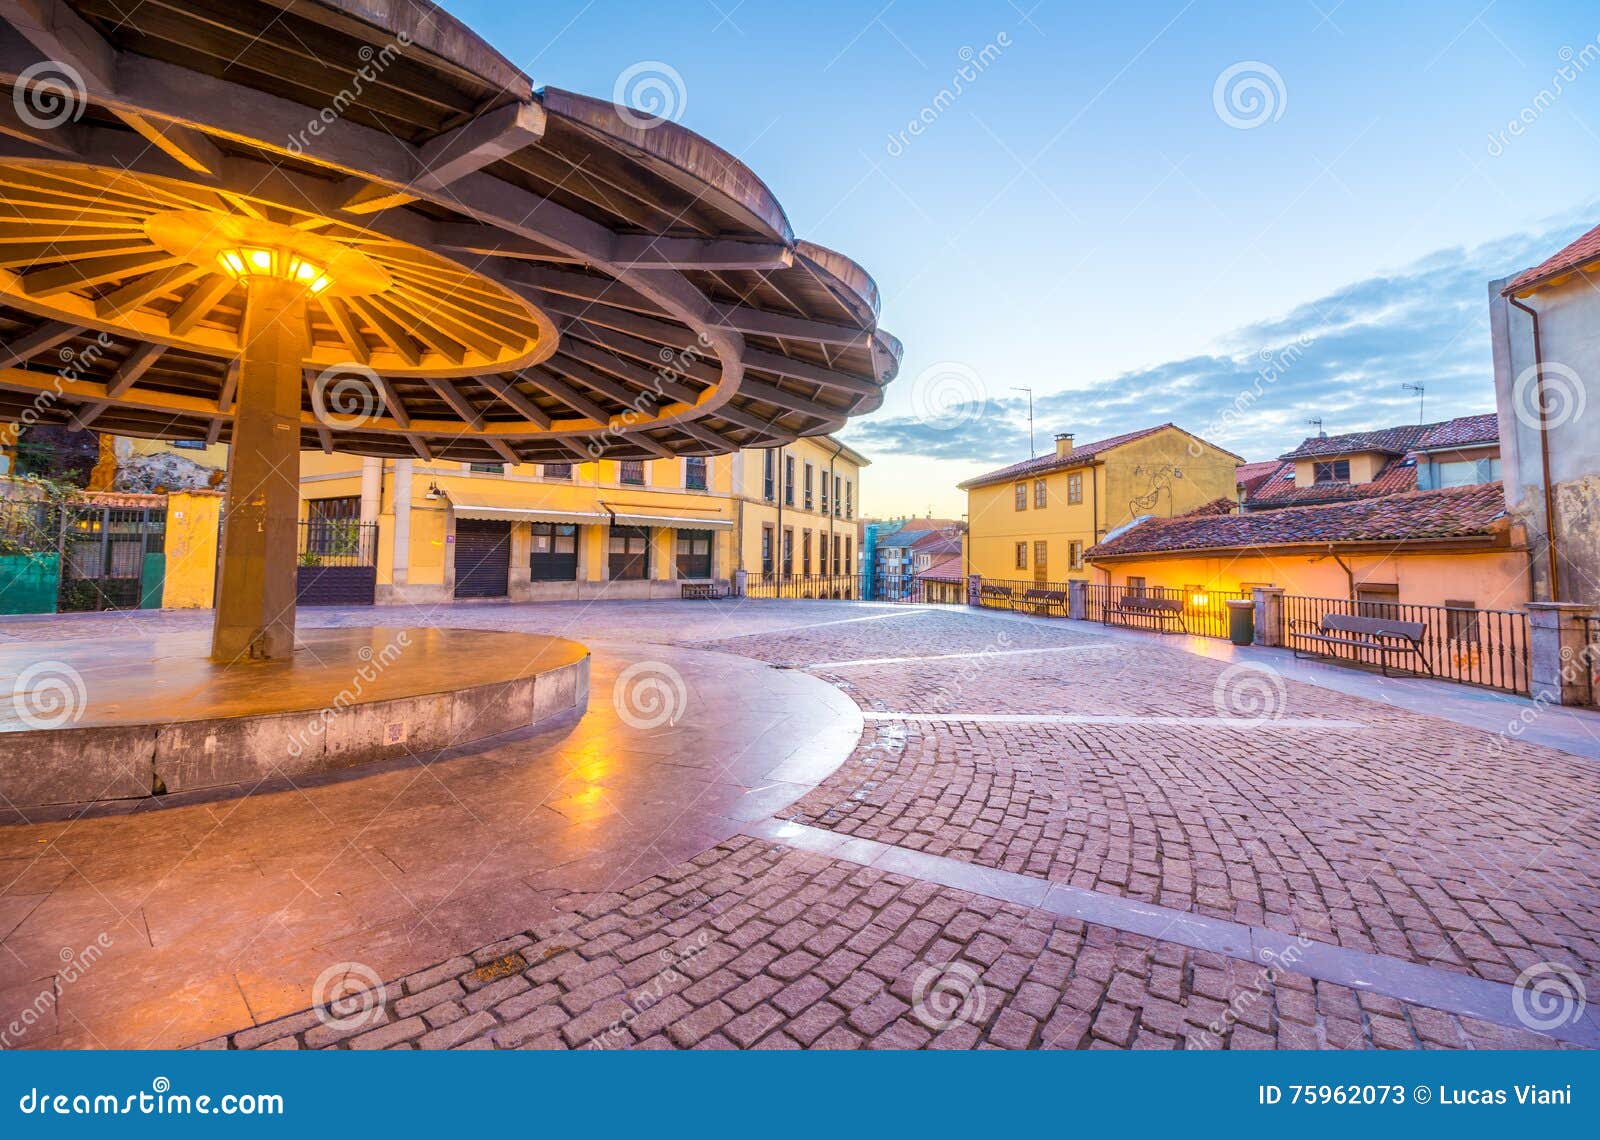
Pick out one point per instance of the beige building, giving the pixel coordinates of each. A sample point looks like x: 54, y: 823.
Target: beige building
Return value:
x: 798, y: 508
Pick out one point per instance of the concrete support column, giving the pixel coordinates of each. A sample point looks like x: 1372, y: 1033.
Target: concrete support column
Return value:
x: 1558, y: 653
x: 741, y: 580
x: 1269, y: 615
x: 520, y: 578
x: 371, y: 489
x: 401, y: 574
x: 1078, y: 599
x: 256, y: 594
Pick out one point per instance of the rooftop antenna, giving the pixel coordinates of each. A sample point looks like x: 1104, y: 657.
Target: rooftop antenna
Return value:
x: 1032, y: 452
x: 1420, y: 390
x: 1316, y: 422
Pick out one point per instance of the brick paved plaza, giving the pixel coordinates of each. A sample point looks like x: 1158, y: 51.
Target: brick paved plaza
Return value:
x: 856, y: 825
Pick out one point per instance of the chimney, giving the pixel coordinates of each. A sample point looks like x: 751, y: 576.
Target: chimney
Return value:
x: 1063, y: 444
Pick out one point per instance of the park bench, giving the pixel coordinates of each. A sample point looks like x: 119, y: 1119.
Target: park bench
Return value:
x: 1043, y: 601
x: 704, y: 591
x: 1381, y: 635
x: 995, y: 596
x: 1164, y: 613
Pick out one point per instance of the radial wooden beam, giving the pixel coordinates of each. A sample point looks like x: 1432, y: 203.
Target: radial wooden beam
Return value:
x: 762, y: 323
x: 696, y: 253
x: 142, y: 289
x: 811, y: 373
x: 41, y: 339
x: 627, y: 370
x: 490, y: 241
x: 705, y: 435
x: 135, y: 366
x: 569, y: 396
x: 458, y: 153
x: 230, y: 386
x: 207, y: 293
x: 508, y: 392
x: 503, y: 450
x: 43, y: 283
x: 462, y: 406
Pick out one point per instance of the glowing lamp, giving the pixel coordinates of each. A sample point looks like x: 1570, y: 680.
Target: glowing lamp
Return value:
x: 1198, y: 598
x: 247, y: 262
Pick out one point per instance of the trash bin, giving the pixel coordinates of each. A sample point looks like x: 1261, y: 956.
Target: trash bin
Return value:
x: 1241, y: 621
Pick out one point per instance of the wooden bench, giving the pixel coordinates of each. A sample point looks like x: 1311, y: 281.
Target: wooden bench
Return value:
x: 1042, y: 601
x: 704, y: 591
x: 1163, y: 612
x: 1380, y: 635
x: 997, y: 596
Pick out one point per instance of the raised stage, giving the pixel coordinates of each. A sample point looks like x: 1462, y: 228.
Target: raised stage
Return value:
x: 128, y: 717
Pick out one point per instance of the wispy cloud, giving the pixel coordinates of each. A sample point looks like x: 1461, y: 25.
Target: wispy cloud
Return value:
x: 1342, y: 358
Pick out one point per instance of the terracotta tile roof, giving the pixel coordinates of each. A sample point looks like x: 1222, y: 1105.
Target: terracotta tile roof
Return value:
x: 1080, y: 454
x: 1222, y: 505
x: 1462, y: 432
x: 1250, y: 475
x: 1393, y: 440
x: 1395, y: 478
x: 1460, y: 512
x: 937, y: 542
x: 1575, y: 256
x: 946, y: 568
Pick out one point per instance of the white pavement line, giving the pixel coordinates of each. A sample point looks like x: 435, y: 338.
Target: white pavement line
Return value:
x: 1376, y: 973
x: 953, y: 656
x: 899, y: 612
x: 1073, y: 718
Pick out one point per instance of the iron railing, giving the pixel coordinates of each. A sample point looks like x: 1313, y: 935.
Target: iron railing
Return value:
x: 1012, y: 594
x: 815, y: 586
x: 1204, y: 612
x: 1488, y: 648
x: 338, y: 542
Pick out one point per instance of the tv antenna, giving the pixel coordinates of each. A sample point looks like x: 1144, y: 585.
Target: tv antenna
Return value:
x: 1032, y: 451
x: 1316, y: 422
x: 1421, y: 391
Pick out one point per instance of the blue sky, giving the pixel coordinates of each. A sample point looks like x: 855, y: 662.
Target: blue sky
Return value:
x: 1084, y: 219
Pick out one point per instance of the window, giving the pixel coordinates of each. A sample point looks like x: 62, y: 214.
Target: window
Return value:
x: 189, y: 444
x: 788, y: 480
x: 1462, y: 619
x: 1136, y: 586
x: 1041, y: 496
x: 631, y: 471
x: 1378, y: 599
x: 766, y: 549
x: 835, y: 554
x: 805, y: 553
x: 630, y: 552
x: 327, y: 510
x: 1436, y: 474
x: 694, y: 472
x: 1075, y: 487
x: 825, y: 482
x: 1019, y: 495
x: 769, y: 475
x: 554, y: 555
x: 838, y: 497
x: 1022, y: 556
x: 694, y: 554
x: 1041, y: 560
x: 788, y: 552
x: 810, y: 472
x: 849, y: 500
x: 1333, y: 471
x: 1075, y: 555
x: 849, y: 555
x: 557, y: 470
x: 487, y: 468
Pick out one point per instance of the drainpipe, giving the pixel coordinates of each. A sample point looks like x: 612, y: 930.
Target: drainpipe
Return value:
x: 777, y: 537
x: 1349, y: 574
x: 833, y: 496
x: 1544, y: 452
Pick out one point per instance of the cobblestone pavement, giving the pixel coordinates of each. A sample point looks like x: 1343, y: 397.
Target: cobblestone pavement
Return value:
x: 1048, y: 750
x: 752, y: 945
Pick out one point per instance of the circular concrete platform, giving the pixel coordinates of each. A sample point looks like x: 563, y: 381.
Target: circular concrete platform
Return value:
x: 119, y: 718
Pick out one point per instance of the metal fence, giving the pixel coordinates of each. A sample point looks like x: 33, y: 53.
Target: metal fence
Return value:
x: 1488, y: 648
x: 815, y: 586
x: 338, y: 542
x: 1203, y: 613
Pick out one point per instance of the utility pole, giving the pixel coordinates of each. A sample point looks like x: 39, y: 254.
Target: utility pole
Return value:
x: 1421, y: 391
x: 1032, y: 451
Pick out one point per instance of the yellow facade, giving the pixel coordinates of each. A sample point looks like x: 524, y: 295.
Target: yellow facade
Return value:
x: 1164, y: 473
x: 669, y: 528
x: 799, y: 512
x: 191, y: 546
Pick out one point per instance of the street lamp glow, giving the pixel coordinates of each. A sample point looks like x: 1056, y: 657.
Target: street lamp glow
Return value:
x: 243, y: 264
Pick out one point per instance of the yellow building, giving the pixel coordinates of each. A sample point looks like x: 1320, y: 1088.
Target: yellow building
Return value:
x: 1034, y: 520
x: 442, y: 530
